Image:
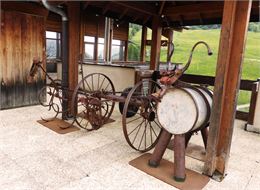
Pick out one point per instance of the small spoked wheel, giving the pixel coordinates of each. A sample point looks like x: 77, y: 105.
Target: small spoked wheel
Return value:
x: 91, y: 109
x: 142, y: 129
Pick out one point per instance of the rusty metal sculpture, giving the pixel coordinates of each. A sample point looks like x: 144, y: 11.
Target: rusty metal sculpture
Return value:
x: 171, y: 127
x: 53, y: 90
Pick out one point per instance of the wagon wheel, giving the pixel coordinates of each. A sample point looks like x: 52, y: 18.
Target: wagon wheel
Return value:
x: 142, y: 131
x: 91, y: 108
x: 50, y: 96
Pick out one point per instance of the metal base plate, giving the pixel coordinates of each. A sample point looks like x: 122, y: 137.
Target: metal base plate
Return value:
x: 164, y: 172
x: 59, y: 126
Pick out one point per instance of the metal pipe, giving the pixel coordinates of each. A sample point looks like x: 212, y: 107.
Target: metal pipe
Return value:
x: 64, y: 55
x: 160, y: 148
x: 179, y: 158
x: 191, y: 54
x: 55, y: 10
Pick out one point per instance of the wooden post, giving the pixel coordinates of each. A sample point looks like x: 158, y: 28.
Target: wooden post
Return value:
x: 143, y: 44
x: 156, y: 43
x: 233, y: 37
x: 74, y: 45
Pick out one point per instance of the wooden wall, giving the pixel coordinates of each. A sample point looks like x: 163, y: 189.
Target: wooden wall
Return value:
x: 95, y: 26
x: 22, y: 38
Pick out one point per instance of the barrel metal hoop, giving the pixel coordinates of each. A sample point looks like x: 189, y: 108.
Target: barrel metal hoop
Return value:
x: 195, y: 88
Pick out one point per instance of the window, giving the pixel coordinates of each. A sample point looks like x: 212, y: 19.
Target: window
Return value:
x: 100, y: 49
x: 53, y: 45
x: 89, y: 47
x: 118, y: 50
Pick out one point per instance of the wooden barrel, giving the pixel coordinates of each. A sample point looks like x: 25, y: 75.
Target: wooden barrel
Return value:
x: 184, y: 109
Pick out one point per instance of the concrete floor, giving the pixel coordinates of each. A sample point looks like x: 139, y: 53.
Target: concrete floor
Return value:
x: 33, y: 157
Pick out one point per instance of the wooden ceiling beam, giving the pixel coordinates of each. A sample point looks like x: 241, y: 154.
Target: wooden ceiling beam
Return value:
x: 205, y: 7
x: 123, y: 13
x: 25, y: 7
x: 161, y: 8
x: 138, y: 6
x: 146, y: 20
x: 86, y: 4
x: 106, y: 8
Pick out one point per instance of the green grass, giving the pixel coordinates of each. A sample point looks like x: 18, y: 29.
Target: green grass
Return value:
x: 202, y: 64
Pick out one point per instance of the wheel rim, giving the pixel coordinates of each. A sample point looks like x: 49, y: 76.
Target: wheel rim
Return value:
x: 142, y: 131
x: 92, y: 110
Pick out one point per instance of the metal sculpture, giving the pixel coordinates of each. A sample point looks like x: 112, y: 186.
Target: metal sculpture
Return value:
x: 183, y: 110
x: 53, y: 90
x: 94, y: 98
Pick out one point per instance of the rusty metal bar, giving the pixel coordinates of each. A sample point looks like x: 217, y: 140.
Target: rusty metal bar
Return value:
x: 204, y: 134
x: 160, y: 149
x: 179, y: 158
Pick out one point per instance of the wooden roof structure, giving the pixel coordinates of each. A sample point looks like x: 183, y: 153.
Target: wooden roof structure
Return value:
x: 171, y: 13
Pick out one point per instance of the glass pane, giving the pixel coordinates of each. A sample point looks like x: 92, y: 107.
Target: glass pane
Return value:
x: 51, y: 34
x: 51, y: 48
x: 89, y: 39
x: 101, y: 40
x: 89, y: 51
x: 118, y: 53
x: 100, y: 51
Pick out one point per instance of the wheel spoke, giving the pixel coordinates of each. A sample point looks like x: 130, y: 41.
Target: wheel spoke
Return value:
x: 92, y: 82
x: 142, y: 136
x: 154, y: 131
x: 138, y: 131
x: 134, y: 120
x: 102, y: 83
x: 151, y: 133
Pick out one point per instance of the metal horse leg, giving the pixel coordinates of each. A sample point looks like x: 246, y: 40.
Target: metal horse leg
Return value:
x: 179, y: 158
x: 160, y: 149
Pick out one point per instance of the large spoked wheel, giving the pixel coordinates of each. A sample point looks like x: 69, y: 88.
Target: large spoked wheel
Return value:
x: 143, y: 129
x: 91, y: 109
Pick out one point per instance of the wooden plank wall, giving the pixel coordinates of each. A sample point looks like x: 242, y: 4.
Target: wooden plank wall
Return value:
x: 22, y: 38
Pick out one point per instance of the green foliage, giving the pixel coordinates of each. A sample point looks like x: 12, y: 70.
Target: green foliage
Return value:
x: 253, y: 27
x: 134, y: 42
x: 133, y: 51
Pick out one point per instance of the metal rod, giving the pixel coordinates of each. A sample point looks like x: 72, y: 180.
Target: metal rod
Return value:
x: 160, y: 149
x: 179, y: 158
x: 204, y: 134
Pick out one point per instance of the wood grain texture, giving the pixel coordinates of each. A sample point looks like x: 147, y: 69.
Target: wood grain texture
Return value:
x: 22, y: 39
x: 74, y: 44
x: 156, y: 43
x: 231, y: 48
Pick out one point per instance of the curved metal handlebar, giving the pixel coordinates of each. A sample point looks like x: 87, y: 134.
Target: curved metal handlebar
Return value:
x: 191, y: 54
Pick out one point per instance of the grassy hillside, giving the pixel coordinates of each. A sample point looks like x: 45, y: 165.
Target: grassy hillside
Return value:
x: 203, y: 64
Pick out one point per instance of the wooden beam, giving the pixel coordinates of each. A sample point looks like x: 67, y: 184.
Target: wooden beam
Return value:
x: 146, y: 20
x: 161, y: 8
x: 233, y: 36
x: 106, y: 8
x: 30, y: 8
x: 138, y: 6
x: 156, y: 43
x: 204, y: 7
x: 73, y: 9
x: 143, y: 44
x: 86, y: 4
x: 123, y: 13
